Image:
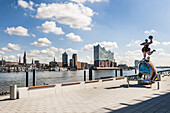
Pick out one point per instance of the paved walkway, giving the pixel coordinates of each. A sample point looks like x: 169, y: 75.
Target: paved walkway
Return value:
x: 109, y: 99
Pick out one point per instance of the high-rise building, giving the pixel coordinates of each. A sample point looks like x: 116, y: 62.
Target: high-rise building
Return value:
x: 19, y: 59
x: 71, y: 63
x: 75, y: 60
x: 65, y: 59
x: 102, y: 57
x: 24, y: 59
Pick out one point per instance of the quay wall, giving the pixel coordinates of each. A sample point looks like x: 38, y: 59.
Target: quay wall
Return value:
x: 27, y: 92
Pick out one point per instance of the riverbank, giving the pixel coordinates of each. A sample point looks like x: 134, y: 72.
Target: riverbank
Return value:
x: 109, y: 98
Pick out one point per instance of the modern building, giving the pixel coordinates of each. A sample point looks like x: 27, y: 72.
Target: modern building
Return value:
x: 71, y: 63
x: 136, y: 63
x: 24, y: 59
x: 19, y: 59
x: 102, y: 57
x: 74, y: 57
x: 65, y: 59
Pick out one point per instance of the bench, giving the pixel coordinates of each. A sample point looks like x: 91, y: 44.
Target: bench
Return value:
x: 120, y: 78
x: 42, y: 86
x: 71, y: 83
x: 109, y: 79
x: 92, y: 81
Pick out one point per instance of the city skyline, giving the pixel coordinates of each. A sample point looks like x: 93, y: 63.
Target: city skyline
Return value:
x: 75, y: 26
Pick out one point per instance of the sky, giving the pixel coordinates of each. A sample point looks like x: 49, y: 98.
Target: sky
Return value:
x: 47, y: 28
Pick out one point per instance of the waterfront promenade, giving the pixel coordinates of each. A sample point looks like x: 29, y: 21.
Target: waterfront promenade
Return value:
x: 110, y: 98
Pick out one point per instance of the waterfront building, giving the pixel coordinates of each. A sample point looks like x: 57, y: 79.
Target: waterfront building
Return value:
x: 59, y: 64
x: 75, y: 60
x: 71, y: 63
x: 37, y: 62
x: 102, y: 57
x: 24, y: 59
x: 2, y: 62
x: 65, y: 59
x: 19, y: 59
x: 115, y: 64
x: 123, y: 65
x: 136, y: 63
x: 11, y: 63
x: 53, y: 63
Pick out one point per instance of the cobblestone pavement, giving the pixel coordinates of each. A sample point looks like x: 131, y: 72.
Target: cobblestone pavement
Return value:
x: 109, y: 99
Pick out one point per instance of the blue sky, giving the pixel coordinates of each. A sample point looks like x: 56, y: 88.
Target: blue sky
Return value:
x: 47, y: 28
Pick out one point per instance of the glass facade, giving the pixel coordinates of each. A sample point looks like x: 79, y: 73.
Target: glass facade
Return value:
x: 100, y: 53
x: 65, y: 59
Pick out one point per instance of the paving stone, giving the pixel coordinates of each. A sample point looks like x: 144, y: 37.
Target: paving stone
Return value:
x: 100, y: 100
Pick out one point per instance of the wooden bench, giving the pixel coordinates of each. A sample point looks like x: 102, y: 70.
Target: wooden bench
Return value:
x: 120, y: 78
x: 92, y: 81
x: 109, y: 79
x: 42, y: 86
x: 71, y: 83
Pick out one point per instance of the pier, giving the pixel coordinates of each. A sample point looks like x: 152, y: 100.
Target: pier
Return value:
x: 104, y: 95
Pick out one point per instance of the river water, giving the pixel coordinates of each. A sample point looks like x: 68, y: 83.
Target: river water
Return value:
x: 19, y: 79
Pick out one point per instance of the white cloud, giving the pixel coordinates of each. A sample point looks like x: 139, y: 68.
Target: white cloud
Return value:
x: 33, y: 35
x: 107, y: 45
x: 25, y: 4
x: 75, y: 15
x: 48, y: 54
x: 10, y: 58
x: 166, y: 43
x: 59, y: 50
x: 11, y: 47
x: 87, y: 59
x: 155, y: 43
x: 73, y: 37
x: 92, y: 1
x: 61, y: 39
x: 134, y: 53
x: 50, y: 27
x: 134, y: 43
x: 2, y: 52
x: 20, y: 31
x: 138, y: 42
x: 150, y: 32
x: 70, y: 50
x: 42, y: 42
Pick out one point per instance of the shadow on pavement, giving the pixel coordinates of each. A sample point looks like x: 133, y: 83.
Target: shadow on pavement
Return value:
x: 126, y: 86
x: 7, y: 99
x: 159, y: 104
